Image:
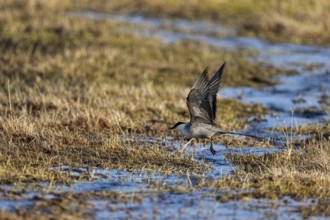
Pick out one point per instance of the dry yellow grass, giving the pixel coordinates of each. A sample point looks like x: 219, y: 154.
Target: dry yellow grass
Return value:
x: 66, y: 205
x: 300, y: 173
x: 72, y: 88
x: 292, y: 20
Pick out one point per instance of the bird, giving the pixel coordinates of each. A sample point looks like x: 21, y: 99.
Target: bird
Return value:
x: 202, y: 105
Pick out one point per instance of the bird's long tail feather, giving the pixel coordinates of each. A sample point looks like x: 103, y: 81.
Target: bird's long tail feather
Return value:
x: 245, y: 135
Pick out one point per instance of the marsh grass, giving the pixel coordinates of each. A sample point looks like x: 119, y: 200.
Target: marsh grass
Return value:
x: 72, y: 88
x: 301, y: 173
x: 289, y: 21
x: 66, y: 205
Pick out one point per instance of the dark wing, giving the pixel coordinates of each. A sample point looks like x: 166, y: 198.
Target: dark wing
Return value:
x: 214, y: 85
x: 198, y: 100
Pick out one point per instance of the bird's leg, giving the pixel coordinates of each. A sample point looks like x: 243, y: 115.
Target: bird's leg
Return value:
x: 184, y: 146
x: 211, y: 147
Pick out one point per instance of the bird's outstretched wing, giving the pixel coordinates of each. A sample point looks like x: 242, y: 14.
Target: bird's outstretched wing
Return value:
x: 214, y: 85
x: 201, y: 99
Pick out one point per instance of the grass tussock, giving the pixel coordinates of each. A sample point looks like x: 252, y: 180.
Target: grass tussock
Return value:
x: 29, y: 150
x: 72, y: 88
x: 67, y: 205
x: 300, y: 173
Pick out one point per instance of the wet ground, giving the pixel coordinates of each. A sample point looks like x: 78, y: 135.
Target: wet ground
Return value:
x: 295, y: 100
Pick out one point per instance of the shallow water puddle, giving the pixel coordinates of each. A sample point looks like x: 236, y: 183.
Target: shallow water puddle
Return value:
x: 304, y: 94
x: 172, y: 30
x: 201, y: 203
x: 220, y: 166
x: 158, y: 26
x: 196, y: 205
x: 298, y: 99
x: 122, y: 181
x: 182, y: 200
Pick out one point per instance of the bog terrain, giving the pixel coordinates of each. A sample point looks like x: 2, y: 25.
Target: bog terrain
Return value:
x: 88, y: 90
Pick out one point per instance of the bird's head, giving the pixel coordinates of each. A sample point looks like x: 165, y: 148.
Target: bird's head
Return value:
x: 177, y: 125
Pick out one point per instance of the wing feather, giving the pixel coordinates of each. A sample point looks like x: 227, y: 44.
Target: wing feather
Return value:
x: 214, y: 85
x: 198, y: 100
x: 201, y: 100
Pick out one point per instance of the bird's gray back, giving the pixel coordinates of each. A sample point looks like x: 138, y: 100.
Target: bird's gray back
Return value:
x: 203, y: 130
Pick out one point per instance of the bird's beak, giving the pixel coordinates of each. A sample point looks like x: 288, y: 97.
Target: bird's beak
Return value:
x: 171, y: 128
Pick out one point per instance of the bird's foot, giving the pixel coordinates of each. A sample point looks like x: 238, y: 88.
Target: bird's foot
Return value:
x: 184, y: 146
x: 212, y: 150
